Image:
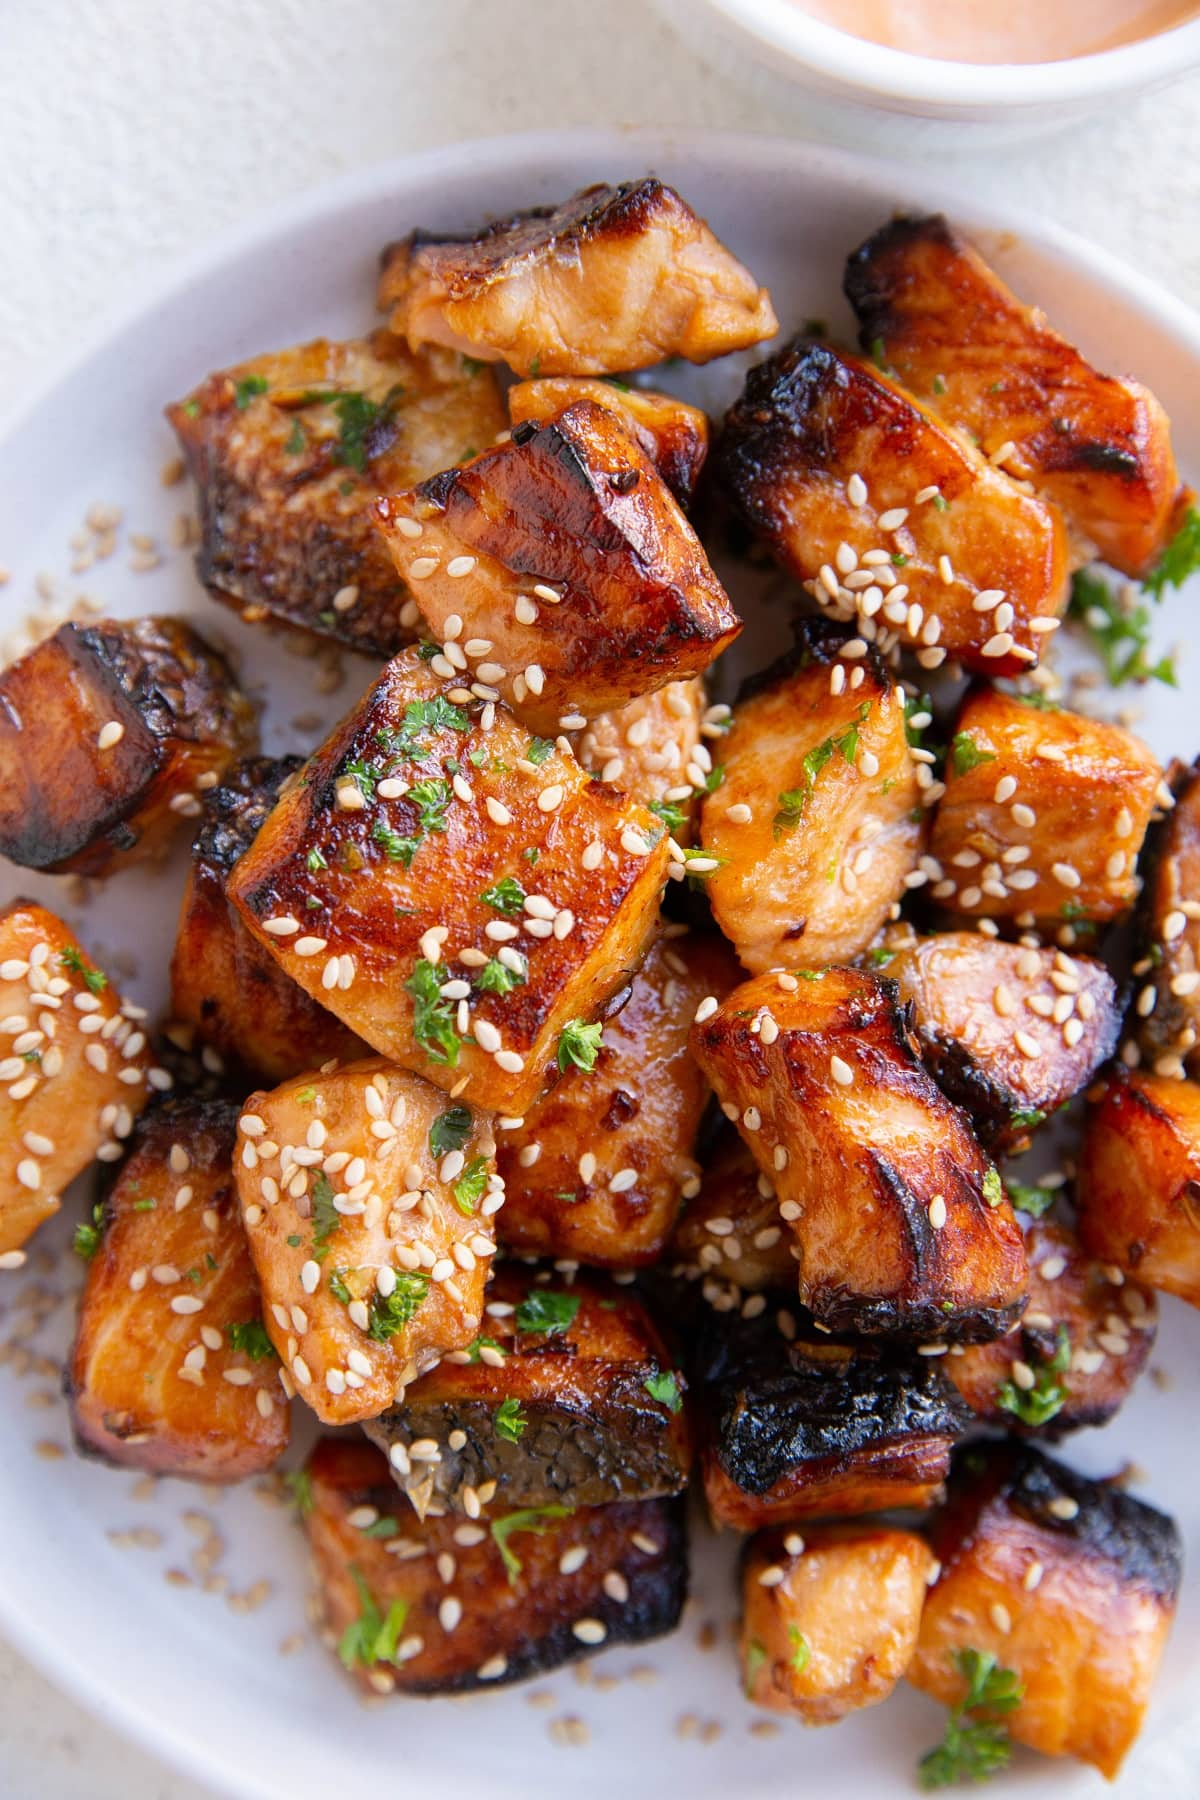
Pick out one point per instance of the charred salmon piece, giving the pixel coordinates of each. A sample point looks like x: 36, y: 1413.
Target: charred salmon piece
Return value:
x: 75, y: 1069
x: 890, y: 518
x: 1138, y: 1191
x: 1011, y: 1033
x: 614, y: 278
x: 1098, y: 445
x: 108, y: 735
x: 900, y: 1219
x: 447, y: 1605
x: 672, y: 434
x: 460, y: 895
x: 224, y: 984
x: 816, y: 822
x: 653, y: 751
x: 557, y: 572
x: 289, y: 451
x: 1082, y: 1342
x: 730, y: 1232
x: 172, y: 1369
x: 1044, y: 813
x: 368, y: 1205
x: 1165, y: 1016
x: 598, y: 1168
x: 797, y: 1427
x: 1069, y: 1583
x: 567, y: 1397
x: 830, y: 1619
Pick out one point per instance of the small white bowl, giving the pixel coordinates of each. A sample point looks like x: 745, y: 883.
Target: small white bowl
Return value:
x: 1012, y: 98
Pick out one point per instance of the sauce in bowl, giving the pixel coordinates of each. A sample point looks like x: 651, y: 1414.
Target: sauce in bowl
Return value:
x: 1002, y: 31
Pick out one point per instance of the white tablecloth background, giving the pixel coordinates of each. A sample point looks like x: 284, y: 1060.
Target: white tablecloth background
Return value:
x: 133, y: 129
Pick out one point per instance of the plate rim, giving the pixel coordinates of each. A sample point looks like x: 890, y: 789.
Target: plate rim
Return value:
x: 64, y: 1665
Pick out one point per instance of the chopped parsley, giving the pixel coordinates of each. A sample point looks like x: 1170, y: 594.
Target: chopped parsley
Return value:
x: 371, y: 1638
x: 251, y: 1339
x: 1044, y: 1400
x: 479, y: 1344
x: 1180, y: 559
x: 1028, y: 1115
x: 966, y: 753
x: 542, y: 1310
x: 86, y: 1240
x: 879, y: 957
x: 314, y: 862
x: 296, y: 439
x: 539, y: 749
x: 801, y: 1650
x: 431, y: 798
x: 507, y: 896
x: 579, y: 1045
x: 496, y: 977
x: 672, y: 816
x: 993, y: 1187
x: 95, y: 980
x: 245, y: 390
x: 397, y: 847
x: 973, y: 1749
x: 508, y: 1421
x: 756, y: 1659
x: 663, y: 1386
x: 421, y: 717
x: 382, y: 1528
x: 1120, y: 632
x: 1032, y: 1200
x: 299, y: 1485
x: 325, y: 1215
x: 534, y: 1518
x: 694, y: 853
x: 450, y: 1130
x: 433, y: 1017
x: 793, y: 801
x: 390, y: 1313
x: 469, y: 1189
x: 339, y: 1289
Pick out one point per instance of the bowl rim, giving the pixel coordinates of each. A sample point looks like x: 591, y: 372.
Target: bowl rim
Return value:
x: 784, y: 28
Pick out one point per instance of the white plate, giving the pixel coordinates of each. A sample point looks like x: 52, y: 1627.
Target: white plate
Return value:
x: 204, y: 1685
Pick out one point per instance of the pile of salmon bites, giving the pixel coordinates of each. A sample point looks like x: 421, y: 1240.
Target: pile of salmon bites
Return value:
x: 575, y: 1083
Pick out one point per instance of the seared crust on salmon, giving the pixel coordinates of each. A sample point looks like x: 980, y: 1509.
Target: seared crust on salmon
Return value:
x: 289, y: 450
x: 509, y: 1609
x: 1098, y: 445
x: 558, y: 571
x: 107, y: 733
x: 900, y: 1219
x: 1069, y: 1583
x: 614, y: 278
x: 673, y: 434
x: 223, y: 982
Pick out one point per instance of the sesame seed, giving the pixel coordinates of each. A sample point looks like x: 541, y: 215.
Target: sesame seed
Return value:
x: 772, y: 1576
x: 1066, y: 874
x: 937, y: 1212
x: 856, y: 490
x: 1001, y: 1617
x: 841, y: 1071
x: 422, y: 567
x: 999, y: 645
x: 1032, y: 1576
x: 1173, y: 926
x: 551, y: 798
x: 497, y: 811
x: 589, y: 1631
x: 186, y: 1303
x: 110, y: 734
x: 281, y: 926
x: 1063, y: 1507
x: 1052, y: 1268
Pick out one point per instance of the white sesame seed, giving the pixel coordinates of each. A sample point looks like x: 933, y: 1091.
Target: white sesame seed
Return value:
x: 937, y: 1212
x: 1001, y: 1617
x: 856, y: 490
x: 590, y: 1631
x: 186, y: 1303
x: 1063, y: 1507
x: 841, y: 1071
x: 497, y: 811
x: 110, y: 734
x: 283, y: 925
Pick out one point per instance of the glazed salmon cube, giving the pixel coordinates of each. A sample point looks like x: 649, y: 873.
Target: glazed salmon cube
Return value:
x: 528, y: 1591
x: 613, y: 278
x: 1139, y: 1180
x: 368, y: 1205
x: 901, y: 1220
x: 290, y: 450
x: 108, y: 735
x: 830, y: 1619
x: 557, y: 572
x: 172, y: 1369
x: 431, y: 844
x: 673, y: 434
x: 70, y: 1089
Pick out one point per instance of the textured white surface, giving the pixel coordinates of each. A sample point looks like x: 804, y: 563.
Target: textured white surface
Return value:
x: 130, y: 130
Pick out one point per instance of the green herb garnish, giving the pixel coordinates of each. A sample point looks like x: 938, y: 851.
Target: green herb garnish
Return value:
x: 469, y: 1189
x: 433, y: 1018
x: 579, y: 1045
x: 1045, y: 1399
x: 251, y: 1338
x: 966, y: 753
x: 973, y: 1749
x: 663, y: 1386
x: 371, y: 1638
x: 1180, y: 559
x: 245, y: 390
x: 390, y: 1313
x: 1032, y: 1200
x: 1120, y: 632
x: 993, y: 1187
x: 95, y: 980
x: 793, y: 801
x: 325, y: 1216
x: 496, y: 977
x: 534, y: 1518
x: 547, y: 1312
x: 450, y: 1130
x: 507, y: 896
x: 86, y: 1240
x: 508, y: 1421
